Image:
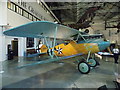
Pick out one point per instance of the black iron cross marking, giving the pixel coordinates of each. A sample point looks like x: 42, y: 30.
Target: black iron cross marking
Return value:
x: 59, y: 50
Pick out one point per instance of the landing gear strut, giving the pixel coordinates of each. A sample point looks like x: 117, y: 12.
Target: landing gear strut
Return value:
x: 84, y: 66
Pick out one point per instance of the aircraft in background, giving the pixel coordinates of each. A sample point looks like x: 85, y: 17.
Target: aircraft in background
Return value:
x: 76, y: 43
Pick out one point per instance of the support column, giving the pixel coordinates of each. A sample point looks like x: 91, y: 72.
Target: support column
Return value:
x: 3, y: 55
x: 21, y: 47
x: 3, y: 22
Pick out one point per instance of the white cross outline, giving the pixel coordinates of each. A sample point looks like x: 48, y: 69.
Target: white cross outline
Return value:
x: 59, y: 50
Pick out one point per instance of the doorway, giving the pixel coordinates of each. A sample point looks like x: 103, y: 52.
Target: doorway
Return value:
x: 15, y: 47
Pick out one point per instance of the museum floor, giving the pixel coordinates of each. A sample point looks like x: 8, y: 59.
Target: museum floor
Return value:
x: 62, y: 74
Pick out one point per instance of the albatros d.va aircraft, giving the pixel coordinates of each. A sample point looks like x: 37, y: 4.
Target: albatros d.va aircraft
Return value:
x: 78, y: 43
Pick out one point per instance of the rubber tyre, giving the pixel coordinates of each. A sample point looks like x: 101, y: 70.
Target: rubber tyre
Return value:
x: 93, y: 61
x: 84, y: 67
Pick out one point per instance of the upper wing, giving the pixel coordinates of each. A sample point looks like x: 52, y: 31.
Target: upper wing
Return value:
x: 41, y: 29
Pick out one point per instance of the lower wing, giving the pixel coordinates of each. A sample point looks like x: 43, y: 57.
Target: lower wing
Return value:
x: 36, y: 54
x: 49, y: 60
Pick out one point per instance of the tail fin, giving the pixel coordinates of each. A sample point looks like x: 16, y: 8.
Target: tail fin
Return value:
x: 43, y: 49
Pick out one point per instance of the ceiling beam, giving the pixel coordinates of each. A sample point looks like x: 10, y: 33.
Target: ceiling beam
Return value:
x: 63, y: 7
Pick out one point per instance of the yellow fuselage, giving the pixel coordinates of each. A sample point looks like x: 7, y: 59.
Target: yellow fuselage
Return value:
x: 73, y: 48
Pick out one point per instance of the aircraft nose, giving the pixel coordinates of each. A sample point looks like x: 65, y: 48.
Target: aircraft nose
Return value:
x: 103, y: 45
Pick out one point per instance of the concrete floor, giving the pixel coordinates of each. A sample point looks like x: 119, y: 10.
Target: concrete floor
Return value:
x: 62, y: 74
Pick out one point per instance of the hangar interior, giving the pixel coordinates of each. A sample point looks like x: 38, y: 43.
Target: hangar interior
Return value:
x: 98, y: 17
x: 90, y: 17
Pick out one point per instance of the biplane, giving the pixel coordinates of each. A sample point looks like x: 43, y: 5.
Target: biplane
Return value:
x: 78, y: 43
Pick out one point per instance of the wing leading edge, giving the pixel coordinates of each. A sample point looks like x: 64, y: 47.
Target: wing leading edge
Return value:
x: 49, y: 60
x: 40, y: 29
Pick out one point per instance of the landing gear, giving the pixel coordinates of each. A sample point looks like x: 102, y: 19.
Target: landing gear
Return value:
x: 84, y: 67
x: 92, y: 62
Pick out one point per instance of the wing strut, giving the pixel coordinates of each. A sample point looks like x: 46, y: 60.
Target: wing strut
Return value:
x: 51, y: 51
x: 88, y: 55
x: 48, y: 46
x: 55, y: 35
x: 79, y: 34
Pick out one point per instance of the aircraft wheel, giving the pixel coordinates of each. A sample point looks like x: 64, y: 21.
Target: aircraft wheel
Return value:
x: 92, y: 62
x: 84, y: 67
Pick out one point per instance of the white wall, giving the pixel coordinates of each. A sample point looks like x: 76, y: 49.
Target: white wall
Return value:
x: 34, y: 8
x: 12, y: 20
x: 41, y: 11
x: 3, y: 12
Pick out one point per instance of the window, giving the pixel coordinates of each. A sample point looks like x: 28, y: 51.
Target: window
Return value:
x: 18, y: 10
x: 14, y: 7
x: 38, y: 1
x: 21, y: 11
x: 30, y: 17
x: 37, y: 20
x: 25, y: 14
x: 34, y: 19
x: 9, y: 5
x: 30, y: 42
